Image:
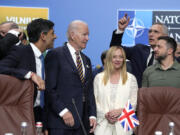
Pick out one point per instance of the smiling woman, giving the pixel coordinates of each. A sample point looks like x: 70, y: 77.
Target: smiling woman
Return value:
x: 112, y: 89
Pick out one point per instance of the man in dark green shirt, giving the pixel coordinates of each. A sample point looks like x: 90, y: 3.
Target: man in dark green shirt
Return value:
x: 166, y: 72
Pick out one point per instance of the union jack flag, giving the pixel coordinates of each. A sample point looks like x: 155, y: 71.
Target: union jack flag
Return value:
x: 128, y: 117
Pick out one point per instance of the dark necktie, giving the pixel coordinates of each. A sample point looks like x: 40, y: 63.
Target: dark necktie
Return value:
x: 151, y: 59
x: 42, y: 75
x: 79, y: 66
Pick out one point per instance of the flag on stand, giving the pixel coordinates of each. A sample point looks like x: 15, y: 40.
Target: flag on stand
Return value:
x: 128, y: 117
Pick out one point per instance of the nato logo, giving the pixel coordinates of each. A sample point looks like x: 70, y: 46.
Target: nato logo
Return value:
x: 137, y: 30
x: 141, y: 20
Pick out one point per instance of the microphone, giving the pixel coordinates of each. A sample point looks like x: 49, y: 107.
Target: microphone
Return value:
x: 82, y: 125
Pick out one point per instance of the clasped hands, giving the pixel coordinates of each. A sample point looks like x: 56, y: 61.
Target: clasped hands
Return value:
x: 112, y: 116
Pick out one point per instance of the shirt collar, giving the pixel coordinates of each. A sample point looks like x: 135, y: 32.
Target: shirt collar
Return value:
x: 151, y: 50
x: 36, y: 51
x: 71, y: 49
x: 174, y: 66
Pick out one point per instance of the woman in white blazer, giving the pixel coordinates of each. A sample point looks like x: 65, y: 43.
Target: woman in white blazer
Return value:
x: 112, y: 89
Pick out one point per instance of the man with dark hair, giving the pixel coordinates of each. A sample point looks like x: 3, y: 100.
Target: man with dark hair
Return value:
x: 26, y: 62
x: 100, y: 68
x: 9, y: 36
x: 166, y: 71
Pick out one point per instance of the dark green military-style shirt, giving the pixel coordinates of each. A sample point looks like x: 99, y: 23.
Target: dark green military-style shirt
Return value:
x: 155, y: 76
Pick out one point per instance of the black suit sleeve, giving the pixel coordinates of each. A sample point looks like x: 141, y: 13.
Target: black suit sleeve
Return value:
x: 91, y: 98
x: 6, y: 43
x: 51, y: 94
x: 9, y: 64
x: 116, y: 39
x: 178, y: 59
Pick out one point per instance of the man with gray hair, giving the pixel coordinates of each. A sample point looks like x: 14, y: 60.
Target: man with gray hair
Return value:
x: 9, y: 36
x: 69, y: 85
x: 141, y: 56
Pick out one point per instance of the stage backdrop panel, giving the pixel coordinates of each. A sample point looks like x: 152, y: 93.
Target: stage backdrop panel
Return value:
x: 22, y: 15
x: 141, y: 20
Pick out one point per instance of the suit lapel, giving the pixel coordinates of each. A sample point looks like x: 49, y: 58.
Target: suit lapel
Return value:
x: 69, y: 58
x: 31, y: 58
x: 147, y: 54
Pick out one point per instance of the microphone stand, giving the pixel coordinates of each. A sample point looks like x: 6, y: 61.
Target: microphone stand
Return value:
x: 82, y: 125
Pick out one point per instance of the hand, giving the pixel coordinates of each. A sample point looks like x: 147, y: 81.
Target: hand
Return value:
x: 37, y: 80
x: 20, y: 36
x: 110, y: 119
x: 112, y: 116
x: 68, y: 119
x: 123, y: 22
x: 92, y: 124
x: 115, y: 113
x: 46, y: 132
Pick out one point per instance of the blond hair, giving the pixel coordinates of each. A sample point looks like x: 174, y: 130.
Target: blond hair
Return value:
x: 109, y: 66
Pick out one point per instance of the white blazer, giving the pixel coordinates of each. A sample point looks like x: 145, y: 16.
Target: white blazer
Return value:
x: 102, y: 93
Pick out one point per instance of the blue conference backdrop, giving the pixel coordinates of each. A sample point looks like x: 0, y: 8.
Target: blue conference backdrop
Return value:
x: 142, y: 20
x: 136, y: 32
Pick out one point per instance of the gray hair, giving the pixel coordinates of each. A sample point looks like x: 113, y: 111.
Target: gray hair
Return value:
x: 13, y: 25
x: 164, y: 27
x: 73, y: 26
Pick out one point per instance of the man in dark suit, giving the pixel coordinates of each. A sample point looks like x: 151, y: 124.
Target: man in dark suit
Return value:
x: 140, y: 55
x: 69, y: 85
x: 100, y: 68
x: 9, y: 36
x: 24, y: 62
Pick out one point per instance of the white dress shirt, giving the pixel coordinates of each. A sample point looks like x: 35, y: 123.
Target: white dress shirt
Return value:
x: 72, y: 52
x: 37, y: 54
x: 149, y: 57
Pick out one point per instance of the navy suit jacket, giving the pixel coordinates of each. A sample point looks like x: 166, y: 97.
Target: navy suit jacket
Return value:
x: 6, y: 43
x: 137, y: 55
x: 63, y: 84
x: 19, y: 62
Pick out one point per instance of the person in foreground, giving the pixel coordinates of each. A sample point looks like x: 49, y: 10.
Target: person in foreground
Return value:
x: 166, y: 72
x: 112, y: 89
x: 69, y: 85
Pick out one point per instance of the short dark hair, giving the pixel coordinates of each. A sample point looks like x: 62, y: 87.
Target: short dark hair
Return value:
x: 103, y: 56
x: 171, y: 43
x: 36, y: 27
